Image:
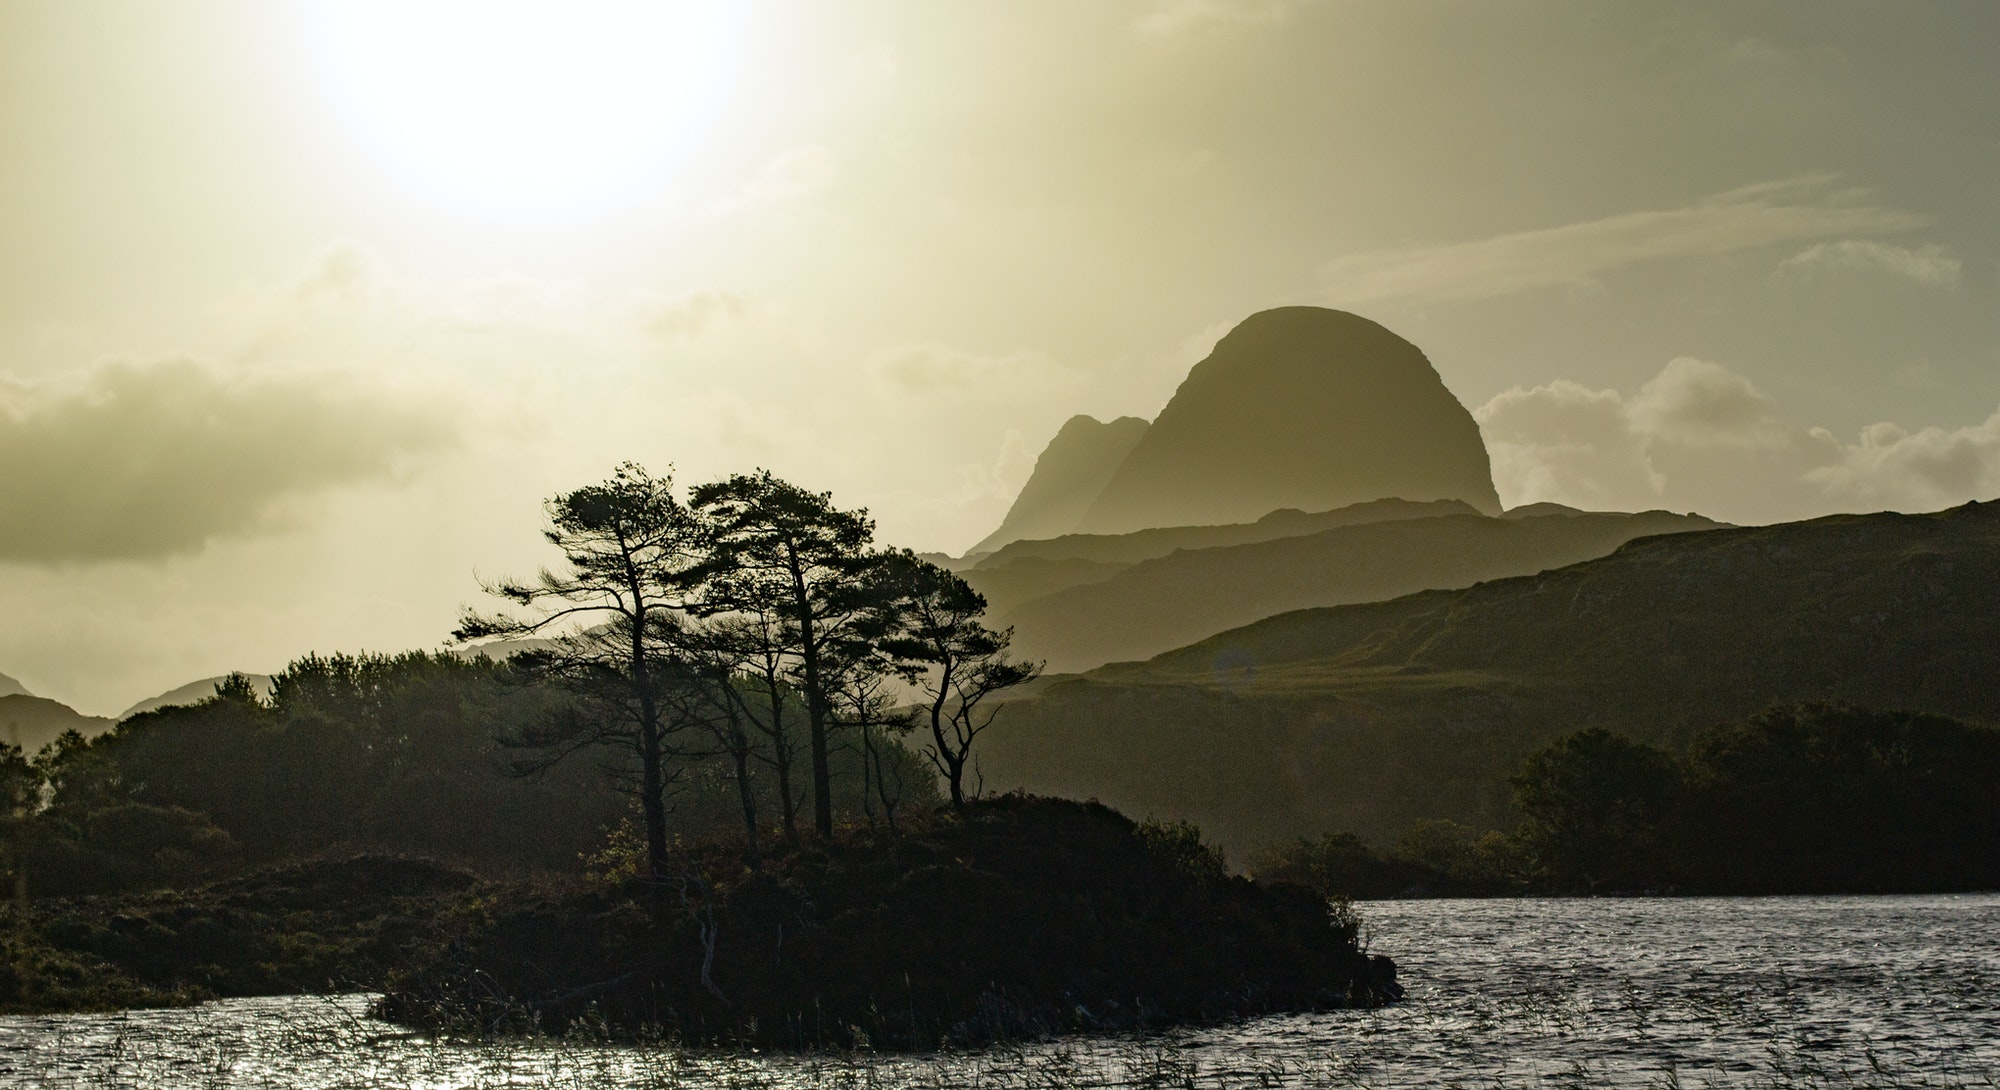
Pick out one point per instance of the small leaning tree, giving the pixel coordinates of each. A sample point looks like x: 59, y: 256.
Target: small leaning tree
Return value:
x: 955, y: 662
x: 614, y: 614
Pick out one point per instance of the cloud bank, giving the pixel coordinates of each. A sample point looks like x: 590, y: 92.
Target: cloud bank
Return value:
x: 139, y: 461
x: 1700, y: 437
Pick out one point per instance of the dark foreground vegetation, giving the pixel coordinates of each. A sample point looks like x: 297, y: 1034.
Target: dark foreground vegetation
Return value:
x: 1805, y: 798
x: 323, y: 925
x: 1015, y: 918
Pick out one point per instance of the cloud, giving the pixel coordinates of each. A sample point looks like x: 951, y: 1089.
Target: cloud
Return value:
x: 787, y: 177
x: 147, y: 460
x: 931, y: 368
x: 692, y: 314
x: 1931, y: 266
x: 1567, y: 444
x: 1575, y: 254
x: 1177, y: 18
x: 1697, y: 402
x: 1700, y: 437
x: 343, y: 274
x: 1921, y: 470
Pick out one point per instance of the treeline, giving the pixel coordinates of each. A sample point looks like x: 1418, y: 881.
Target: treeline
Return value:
x: 414, y: 753
x: 746, y: 662
x: 1805, y: 798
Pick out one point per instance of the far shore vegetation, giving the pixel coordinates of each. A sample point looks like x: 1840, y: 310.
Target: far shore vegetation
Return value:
x: 1801, y: 798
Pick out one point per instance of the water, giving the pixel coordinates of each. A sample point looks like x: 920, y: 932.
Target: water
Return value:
x: 1727, y: 992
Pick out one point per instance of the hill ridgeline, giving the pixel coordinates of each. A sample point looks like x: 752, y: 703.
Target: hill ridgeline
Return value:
x: 1369, y: 717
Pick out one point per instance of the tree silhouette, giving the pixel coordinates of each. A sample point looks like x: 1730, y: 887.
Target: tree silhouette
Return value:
x: 784, y: 553
x: 1595, y: 806
x: 632, y: 555
x: 940, y: 646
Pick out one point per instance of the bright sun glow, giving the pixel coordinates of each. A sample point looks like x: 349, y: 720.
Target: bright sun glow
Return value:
x: 519, y: 109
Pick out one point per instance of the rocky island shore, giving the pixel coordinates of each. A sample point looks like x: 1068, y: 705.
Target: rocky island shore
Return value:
x: 1020, y: 919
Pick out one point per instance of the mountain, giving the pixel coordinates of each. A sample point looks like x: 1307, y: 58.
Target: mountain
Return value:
x: 10, y: 687
x: 1160, y: 604
x: 1368, y: 717
x: 1299, y: 407
x: 1068, y: 476
x: 32, y: 722
x: 194, y: 692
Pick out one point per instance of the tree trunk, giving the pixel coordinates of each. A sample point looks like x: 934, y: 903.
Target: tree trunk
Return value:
x: 822, y: 776
x: 652, y: 773
x: 740, y: 750
x: 652, y: 789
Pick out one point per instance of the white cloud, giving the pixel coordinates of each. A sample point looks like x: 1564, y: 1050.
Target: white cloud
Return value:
x: 692, y: 314
x: 1931, y: 266
x: 1694, y: 401
x: 1700, y: 437
x: 348, y: 302
x: 1177, y: 18
x: 787, y: 177
x: 1568, y: 444
x: 1575, y: 254
x: 1921, y: 470
x: 942, y: 369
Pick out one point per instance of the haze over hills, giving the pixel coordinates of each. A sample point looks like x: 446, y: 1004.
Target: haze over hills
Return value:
x: 1130, y: 548
x: 1025, y: 570
x: 1068, y: 476
x: 1298, y: 407
x: 32, y: 722
x: 1164, y: 603
x: 1368, y: 717
x: 194, y: 692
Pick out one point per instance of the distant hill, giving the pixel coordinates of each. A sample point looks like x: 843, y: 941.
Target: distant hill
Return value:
x: 194, y: 692
x: 1537, y: 510
x: 1299, y: 407
x: 1367, y: 717
x: 1022, y: 571
x: 32, y: 722
x: 1160, y: 604
x: 1067, y: 478
x: 10, y: 687
x: 1140, y: 545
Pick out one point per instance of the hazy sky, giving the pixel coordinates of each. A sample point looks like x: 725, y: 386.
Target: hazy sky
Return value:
x: 304, y: 308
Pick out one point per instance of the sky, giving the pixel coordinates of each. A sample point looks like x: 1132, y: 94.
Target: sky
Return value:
x: 305, y: 308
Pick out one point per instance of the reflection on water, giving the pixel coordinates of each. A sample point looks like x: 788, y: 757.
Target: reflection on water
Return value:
x: 1821, y: 991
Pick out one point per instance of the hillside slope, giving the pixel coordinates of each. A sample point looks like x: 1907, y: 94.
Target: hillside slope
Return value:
x: 1022, y: 571
x: 1368, y: 717
x: 32, y: 722
x: 1172, y: 601
x: 1148, y: 544
x: 194, y: 692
